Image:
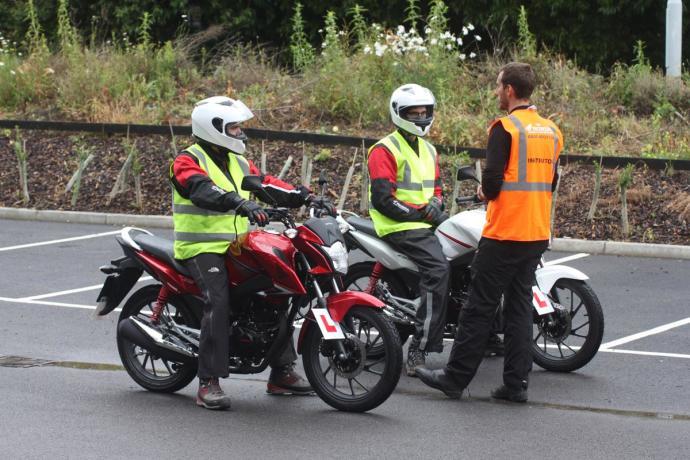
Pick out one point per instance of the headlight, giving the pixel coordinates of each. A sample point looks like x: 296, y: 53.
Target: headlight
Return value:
x: 338, y: 255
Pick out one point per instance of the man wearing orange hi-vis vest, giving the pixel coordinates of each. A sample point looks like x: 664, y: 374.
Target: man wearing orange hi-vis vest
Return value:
x: 518, y: 179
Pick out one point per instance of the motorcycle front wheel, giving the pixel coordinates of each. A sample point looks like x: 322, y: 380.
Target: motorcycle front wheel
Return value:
x: 146, y: 369
x: 356, y: 382
x: 569, y: 338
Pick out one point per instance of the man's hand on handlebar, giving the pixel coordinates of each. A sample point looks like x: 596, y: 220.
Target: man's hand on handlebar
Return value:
x: 433, y: 212
x: 253, y: 212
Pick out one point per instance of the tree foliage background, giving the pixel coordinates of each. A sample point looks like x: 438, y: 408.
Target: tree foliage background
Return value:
x: 596, y: 33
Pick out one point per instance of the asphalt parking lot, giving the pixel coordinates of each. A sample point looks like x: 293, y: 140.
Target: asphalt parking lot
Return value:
x: 631, y: 401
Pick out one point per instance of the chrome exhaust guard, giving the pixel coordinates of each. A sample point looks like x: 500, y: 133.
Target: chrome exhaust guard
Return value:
x: 138, y: 332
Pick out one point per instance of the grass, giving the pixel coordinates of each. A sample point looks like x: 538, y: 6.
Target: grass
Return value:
x: 346, y: 83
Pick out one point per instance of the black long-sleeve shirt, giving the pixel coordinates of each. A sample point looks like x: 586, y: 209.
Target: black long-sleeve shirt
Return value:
x: 497, y: 157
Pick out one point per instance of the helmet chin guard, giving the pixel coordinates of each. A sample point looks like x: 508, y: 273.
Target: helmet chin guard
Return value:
x: 211, y: 116
x: 412, y: 95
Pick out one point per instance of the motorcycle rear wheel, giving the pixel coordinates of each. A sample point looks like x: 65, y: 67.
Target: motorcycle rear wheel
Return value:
x: 359, y: 383
x: 573, y: 340
x: 147, y: 370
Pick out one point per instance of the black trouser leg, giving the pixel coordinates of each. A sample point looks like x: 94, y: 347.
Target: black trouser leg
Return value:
x: 517, y: 311
x: 210, y: 274
x: 287, y: 356
x: 424, y: 249
x: 491, y: 273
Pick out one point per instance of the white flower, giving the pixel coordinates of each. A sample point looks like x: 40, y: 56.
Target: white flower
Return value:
x: 2, y: 64
x: 380, y: 49
x: 19, y: 54
x: 470, y: 26
x: 459, y: 40
x: 367, y: 49
x: 401, y: 29
x: 184, y: 16
x: 449, y: 46
x: 320, y: 30
x: 473, y: 55
x: 465, y: 31
x: 478, y: 38
x: 13, y: 72
x: 340, y: 32
x: 462, y: 56
x: 433, y: 41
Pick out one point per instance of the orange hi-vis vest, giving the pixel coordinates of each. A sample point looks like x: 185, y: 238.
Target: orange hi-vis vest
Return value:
x: 522, y: 210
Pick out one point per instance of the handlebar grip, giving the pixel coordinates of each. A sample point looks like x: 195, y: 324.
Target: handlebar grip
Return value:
x: 467, y: 199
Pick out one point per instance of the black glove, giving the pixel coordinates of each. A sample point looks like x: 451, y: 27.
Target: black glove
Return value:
x: 253, y: 212
x: 323, y: 205
x: 433, y: 212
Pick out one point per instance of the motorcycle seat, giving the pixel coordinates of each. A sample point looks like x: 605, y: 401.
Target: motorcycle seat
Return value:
x: 161, y: 249
x: 363, y: 225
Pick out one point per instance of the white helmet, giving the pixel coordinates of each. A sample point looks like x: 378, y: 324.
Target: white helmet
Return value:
x: 211, y: 116
x: 412, y: 95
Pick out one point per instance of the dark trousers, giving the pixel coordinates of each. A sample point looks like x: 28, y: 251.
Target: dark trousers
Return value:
x: 424, y: 249
x: 499, y: 268
x: 211, y: 275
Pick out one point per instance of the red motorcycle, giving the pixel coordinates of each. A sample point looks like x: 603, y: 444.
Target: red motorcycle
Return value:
x: 276, y: 278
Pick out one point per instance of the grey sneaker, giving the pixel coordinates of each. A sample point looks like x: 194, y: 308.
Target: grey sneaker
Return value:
x: 415, y: 358
x: 286, y: 381
x: 211, y: 395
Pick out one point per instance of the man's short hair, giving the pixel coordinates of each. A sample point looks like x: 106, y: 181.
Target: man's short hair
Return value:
x: 521, y: 77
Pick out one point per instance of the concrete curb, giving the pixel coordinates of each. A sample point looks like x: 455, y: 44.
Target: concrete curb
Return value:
x: 617, y: 248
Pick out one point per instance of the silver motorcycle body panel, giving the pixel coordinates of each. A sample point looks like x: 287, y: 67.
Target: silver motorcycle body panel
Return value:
x: 461, y: 233
x: 384, y: 252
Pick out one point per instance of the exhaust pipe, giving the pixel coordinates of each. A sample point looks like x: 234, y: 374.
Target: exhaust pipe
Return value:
x: 147, y: 337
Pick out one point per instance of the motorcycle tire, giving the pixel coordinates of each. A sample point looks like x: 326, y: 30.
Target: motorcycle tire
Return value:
x: 318, y: 354
x: 558, y: 362
x: 141, y: 364
x: 361, y: 271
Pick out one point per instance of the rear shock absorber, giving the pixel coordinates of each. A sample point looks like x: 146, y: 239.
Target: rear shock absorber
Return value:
x: 162, y: 299
x: 375, y: 277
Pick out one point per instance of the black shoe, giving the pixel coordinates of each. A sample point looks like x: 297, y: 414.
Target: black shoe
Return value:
x: 415, y: 358
x: 495, y: 346
x: 510, y: 394
x: 211, y: 396
x: 286, y: 381
x: 441, y: 381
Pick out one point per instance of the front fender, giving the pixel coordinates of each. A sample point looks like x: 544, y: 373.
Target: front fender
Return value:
x: 338, y: 305
x: 549, y: 274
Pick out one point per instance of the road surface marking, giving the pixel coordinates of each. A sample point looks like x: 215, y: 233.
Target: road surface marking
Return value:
x: 566, y: 259
x: 644, y: 334
x: 73, y: 291
x: 63, y: 240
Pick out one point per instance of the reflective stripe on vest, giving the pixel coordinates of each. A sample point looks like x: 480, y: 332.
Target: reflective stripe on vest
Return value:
x: 522, y: 209
x: 199, y: 230
x: 415, y: 180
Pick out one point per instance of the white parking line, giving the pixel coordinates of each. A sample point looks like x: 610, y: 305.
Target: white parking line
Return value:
x: 643, y: 334
x: 63, y: 240
x: 566, y: 259
x: 72, y: 291
x: 646, y: 353
x: 52, y: 304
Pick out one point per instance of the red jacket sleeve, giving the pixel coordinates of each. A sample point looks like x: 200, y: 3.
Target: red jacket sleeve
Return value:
x: 185, y: 167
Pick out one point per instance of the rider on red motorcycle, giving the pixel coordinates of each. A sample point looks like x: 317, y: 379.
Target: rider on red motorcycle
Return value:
x: 209, y: 211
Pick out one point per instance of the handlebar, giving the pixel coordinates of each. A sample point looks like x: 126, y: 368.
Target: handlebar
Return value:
x: 468, y: 199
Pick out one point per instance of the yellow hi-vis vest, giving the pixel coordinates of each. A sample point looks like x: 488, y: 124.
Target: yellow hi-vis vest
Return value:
x: 199, y: 230
x: 415, y: 180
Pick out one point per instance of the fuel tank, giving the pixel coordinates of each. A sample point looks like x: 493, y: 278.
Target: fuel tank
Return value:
x: 461, y: 233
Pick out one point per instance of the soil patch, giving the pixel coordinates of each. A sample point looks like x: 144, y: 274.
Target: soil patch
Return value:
x: 659, y: 201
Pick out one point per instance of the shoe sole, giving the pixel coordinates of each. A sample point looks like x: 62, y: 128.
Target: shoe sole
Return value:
x: 279, y: 391
x: 410, y: 372
x: 201, y: 403
x: 510, y: 399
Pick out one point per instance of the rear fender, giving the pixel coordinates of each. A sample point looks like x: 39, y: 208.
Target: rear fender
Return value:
x: 338, y: 305
x: 549, y: 274
x: 122, y: 274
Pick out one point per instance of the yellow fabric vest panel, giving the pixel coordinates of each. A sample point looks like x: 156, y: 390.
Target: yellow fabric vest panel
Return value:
x: 199, y: 230
x: 415, y: 180
x: 522, y: 210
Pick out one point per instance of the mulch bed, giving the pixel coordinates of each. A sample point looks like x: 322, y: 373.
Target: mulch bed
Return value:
x: 659, y: 201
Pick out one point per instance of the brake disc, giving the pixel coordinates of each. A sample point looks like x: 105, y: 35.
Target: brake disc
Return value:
x: 353, y: 364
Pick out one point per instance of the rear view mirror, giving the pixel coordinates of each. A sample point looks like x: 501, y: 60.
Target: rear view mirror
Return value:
x: 467, y: 172
x: 251, y: 183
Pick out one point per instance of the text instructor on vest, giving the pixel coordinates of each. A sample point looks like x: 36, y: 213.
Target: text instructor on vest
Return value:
x: 517, y: 182
x: 406, y: 203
